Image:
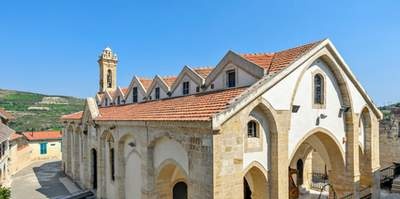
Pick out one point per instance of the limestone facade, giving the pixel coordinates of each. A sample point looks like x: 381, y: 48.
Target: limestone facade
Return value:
x: 230, y: 145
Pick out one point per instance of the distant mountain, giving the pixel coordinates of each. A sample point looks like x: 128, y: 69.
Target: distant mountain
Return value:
x: 35, y: 111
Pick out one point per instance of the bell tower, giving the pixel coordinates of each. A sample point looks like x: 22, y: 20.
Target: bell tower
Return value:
x: 108, y: 70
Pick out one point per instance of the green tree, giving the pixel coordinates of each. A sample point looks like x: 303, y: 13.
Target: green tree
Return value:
x: 5, y: 193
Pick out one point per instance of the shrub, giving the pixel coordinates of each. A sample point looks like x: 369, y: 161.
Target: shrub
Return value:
x: 5, y: 193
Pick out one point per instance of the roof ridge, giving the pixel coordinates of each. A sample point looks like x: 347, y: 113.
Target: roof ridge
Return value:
x: 262, y: 53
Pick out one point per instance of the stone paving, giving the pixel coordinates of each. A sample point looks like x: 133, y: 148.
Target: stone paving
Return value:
x: 40, y: 180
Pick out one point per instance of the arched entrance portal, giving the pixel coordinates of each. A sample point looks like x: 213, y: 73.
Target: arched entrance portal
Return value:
x: 246, y: 189
x: 180, y: 191
x: 170, y: 181
x: 255, y: 184
x: 300, y: 167
x: 323, y: 147
x: 94, y: 168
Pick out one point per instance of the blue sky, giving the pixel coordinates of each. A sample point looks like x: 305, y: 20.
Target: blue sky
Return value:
x: 52, y: 46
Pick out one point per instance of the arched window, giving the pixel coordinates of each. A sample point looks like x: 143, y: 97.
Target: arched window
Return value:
x: 109, y: 79
x: 252, y: 129
x: 318, y: 89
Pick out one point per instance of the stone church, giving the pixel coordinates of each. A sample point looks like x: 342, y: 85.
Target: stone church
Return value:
x: 260, y: 125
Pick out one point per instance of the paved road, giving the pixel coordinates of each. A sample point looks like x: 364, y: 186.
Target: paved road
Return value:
x: 38, y: 181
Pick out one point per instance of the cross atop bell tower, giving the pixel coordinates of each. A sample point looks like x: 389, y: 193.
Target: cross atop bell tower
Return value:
x: 108, y: 70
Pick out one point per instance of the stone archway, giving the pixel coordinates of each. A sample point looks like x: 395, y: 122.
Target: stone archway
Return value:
x: 76, y: 154
x: 255, y: 184
x: 169, y: 174
x: 69, y: 143
x: 105, y: 163
x: 332, y: 155
x: 130, y: 167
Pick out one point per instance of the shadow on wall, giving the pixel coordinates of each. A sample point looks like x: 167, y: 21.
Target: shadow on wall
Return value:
x: 48, y: 176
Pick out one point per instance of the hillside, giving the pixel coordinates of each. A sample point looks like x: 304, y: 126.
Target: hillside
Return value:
x: 37, y: 111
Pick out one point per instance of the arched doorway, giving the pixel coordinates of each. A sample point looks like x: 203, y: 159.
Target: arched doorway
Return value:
x: 180, y: 191
x: 246, y: 189
x: 94, y: 168
x: 170, y: 172
x: 300, y: 169
x: 323, y: 148
x: 255, y: 184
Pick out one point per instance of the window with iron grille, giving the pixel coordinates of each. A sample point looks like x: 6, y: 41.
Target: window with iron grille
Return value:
x: 185, y: 88
x: 230, y: 78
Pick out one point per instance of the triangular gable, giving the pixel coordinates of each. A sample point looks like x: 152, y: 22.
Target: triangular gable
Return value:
x: 237, y: 60
x: 119, y: 93
x: 158, y: 81
x: 108, y: 96
x: 187, y: 71
x: 91, y: 110
x: 269, y: 81
x: 141, y: 88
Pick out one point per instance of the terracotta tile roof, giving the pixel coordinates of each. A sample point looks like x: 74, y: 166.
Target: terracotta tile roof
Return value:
x: 125, y: 90
x: 43, y: 135
x: 5, y: 132
x: 169, y: 80
x: 275, y: 62
x: 6, y: 115
x: 203, y: 72
x: 199, y: 107
x: 145, y: 82
x: 73, y: 116
x: 15, y: 136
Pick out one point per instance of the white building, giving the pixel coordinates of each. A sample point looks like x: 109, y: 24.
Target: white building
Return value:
x: 238, y: 130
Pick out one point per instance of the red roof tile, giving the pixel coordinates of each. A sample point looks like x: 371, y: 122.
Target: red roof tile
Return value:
x: 275, y: 62
x: 203, y: 72
x: 43, y: 135
x: 6, y: 115
x: 125, y: 90
x: 73, y: 116
x: 145, y: 82
x: 169, y: 80
x: 199, y: 107
x: 15, y: 136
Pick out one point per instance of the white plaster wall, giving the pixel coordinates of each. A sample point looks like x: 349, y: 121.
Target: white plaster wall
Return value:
x: 304, y: 120
x: 280, y: 95
x: 242, y: 78
x: 259, y: 156
x: 133, y: 178
x: 169, y: 149
x: 357, y: 100
x: 361, y: 134
x: 192, y: 87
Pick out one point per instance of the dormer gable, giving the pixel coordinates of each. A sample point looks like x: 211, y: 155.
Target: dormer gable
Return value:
x: 119, y: 96
x: 190, y: 77
x: 245, y: 72
x: 107, y: 99
x: 159, y: 85
x: 140, y: 86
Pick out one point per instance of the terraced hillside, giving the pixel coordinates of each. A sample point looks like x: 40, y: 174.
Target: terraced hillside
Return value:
x: 37, y: 111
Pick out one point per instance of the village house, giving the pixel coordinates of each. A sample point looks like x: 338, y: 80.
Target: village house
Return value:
x: 28, y: 147
x: 254, y: 126
x: 5, y: 133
